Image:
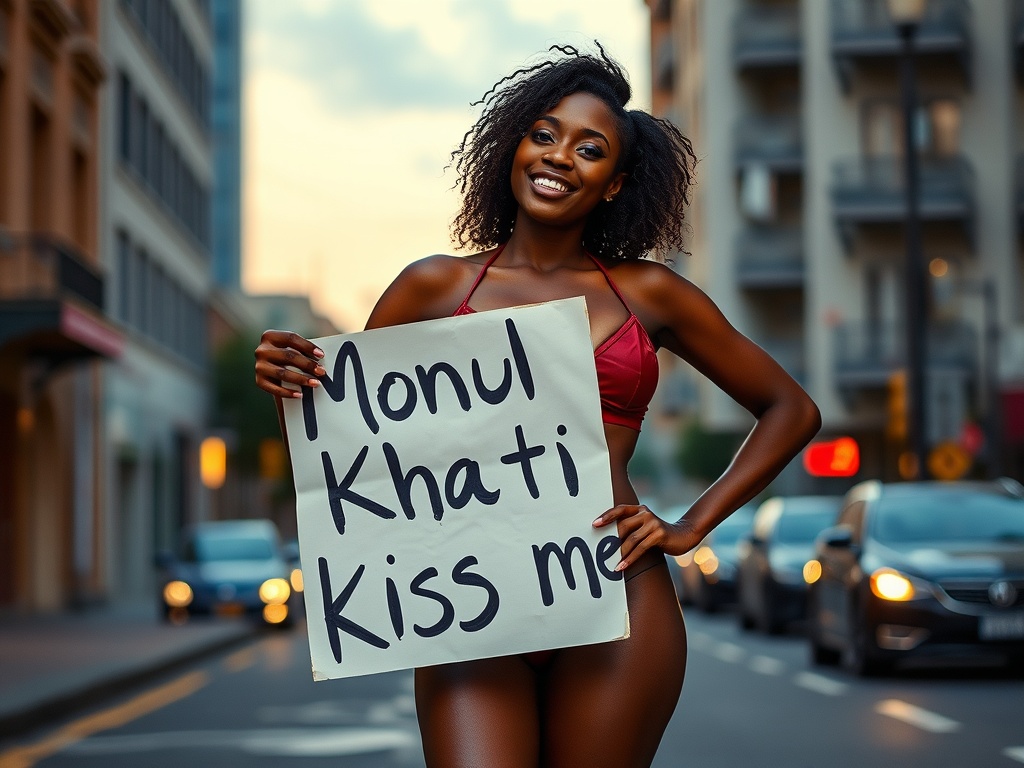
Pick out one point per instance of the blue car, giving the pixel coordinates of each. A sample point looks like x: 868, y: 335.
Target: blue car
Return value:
x: 230, y: 568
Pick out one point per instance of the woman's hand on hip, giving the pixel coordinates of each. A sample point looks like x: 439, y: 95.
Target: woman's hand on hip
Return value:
x: 640, y: 529
x: 285, y: 357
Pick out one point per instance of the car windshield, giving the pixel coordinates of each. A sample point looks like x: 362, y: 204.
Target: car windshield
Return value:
x: 949, y: 517
x: 213, y: 548
x: 801, y: 527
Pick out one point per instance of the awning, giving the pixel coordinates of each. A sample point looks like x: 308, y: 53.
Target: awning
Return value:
x: 57, y: 331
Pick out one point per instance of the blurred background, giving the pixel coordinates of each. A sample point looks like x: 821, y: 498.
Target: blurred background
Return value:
x: 177, y: 175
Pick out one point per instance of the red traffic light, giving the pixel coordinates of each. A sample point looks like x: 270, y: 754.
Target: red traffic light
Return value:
x: 836, y: 458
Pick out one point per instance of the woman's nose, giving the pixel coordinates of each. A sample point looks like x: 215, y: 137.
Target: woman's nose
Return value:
x: 559, y: 156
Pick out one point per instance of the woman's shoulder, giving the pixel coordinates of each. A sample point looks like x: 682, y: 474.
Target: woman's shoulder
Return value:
x: 647, y: 278
x: 442, y: 269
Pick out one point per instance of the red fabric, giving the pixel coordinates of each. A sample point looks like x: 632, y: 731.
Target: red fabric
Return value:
x: 627, y: 363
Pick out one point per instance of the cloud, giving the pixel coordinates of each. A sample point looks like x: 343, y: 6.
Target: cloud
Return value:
x: 441, y: 54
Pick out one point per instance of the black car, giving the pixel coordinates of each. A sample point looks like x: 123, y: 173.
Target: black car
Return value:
x: 921, y: 570
x: 707, y: 575
x: 229, y: 568
x: 771, y: 588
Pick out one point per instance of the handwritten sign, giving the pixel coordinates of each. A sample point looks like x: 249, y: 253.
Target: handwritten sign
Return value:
x: 447, y: 474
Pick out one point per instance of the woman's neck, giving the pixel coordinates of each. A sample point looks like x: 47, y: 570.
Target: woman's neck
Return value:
x: 543, y: 247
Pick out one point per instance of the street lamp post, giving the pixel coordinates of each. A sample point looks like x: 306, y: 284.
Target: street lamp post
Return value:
x: 907, y: 14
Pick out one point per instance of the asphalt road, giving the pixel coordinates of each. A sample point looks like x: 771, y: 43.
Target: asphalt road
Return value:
x: 749, y: 700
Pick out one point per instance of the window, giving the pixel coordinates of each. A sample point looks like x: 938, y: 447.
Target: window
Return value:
x: 124, y: 278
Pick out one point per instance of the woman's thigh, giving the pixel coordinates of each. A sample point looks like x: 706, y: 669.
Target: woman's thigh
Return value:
x: 608, y: 704
x: 479, y: 713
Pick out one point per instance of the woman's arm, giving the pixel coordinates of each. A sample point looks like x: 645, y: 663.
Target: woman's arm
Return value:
x: 690, y: 325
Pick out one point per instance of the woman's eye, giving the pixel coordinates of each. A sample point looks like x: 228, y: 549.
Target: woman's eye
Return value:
x: 542, y: 136
x: 591, y: 151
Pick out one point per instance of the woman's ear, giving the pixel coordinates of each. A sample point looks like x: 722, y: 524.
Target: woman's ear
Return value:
x: 614, y: 186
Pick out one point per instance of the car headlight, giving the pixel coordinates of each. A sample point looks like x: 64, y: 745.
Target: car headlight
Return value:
x: 706, y: 560
x: 889, y: 584
x: 275, y: 591
x: 178, y: 594
x: 296, y: 580
x: 812, y: 571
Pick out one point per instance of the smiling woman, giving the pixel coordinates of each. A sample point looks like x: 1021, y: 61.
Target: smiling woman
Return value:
x: 565, y: 192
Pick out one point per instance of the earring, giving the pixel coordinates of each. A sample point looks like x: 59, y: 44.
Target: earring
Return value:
x: 609, y: 199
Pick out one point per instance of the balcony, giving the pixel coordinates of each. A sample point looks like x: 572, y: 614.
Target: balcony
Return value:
x: 772, y: 141
x: 869, y: 191
x: 766, y: 38
x: 862, y: 32
x: 866, y: 355
x: 51, y: 302
x: 769, y: 258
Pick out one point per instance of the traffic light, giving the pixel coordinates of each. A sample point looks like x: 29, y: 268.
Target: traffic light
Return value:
x: 835, y: 458
x: 896, y: 426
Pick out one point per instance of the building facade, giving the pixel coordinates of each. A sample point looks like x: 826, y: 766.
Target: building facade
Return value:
x: 798, y: 223
x: 55, y: 322
x: 226, y: 134
x: 156, y: 182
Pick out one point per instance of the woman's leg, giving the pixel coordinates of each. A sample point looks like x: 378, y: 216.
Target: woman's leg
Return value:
x: 608, y: 704
x: 479, y: 713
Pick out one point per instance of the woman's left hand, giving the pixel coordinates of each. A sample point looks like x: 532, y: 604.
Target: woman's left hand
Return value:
x: 640, y: 530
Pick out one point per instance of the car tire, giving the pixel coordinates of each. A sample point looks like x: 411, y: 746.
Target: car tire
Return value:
x: 858, y: 658
x: 769, y: 621
x: 824, y: 657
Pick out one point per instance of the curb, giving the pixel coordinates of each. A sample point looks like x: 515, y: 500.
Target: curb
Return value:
x: 46, y: 710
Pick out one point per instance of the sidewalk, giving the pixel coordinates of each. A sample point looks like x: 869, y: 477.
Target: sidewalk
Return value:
x: 51, y: 665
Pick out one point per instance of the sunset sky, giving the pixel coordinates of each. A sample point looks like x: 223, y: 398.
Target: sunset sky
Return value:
x: 351, y: 110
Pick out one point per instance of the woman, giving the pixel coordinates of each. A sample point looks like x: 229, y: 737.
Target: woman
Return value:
x: 565, y: 191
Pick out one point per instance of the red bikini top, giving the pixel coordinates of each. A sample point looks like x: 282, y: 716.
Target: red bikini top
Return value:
x: 627, y: 364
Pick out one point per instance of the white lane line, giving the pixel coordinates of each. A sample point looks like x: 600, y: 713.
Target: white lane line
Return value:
x: 820, y: 684
x: 1015, y: 753
x: 729, y: 652
x: 920, y: 718
x: 766, y: 665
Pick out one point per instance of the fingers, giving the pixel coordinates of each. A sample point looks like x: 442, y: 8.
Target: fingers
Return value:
x: 284, y: 357
x: 639, y: 530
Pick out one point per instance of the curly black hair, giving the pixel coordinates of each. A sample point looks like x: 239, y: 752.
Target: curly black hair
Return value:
x: 646, y: 215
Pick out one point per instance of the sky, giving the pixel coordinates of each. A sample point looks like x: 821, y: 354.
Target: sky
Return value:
x: 352, y: 109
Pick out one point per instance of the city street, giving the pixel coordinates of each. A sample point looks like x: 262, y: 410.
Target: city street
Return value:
x: 748, y: 700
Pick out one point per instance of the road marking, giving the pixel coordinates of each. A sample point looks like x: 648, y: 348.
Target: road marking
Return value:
x: 921, y: 718
x: 240, y: 660
x: 766, y: 665
x: 728, y: 652
x: 1015, y: 753
x: 820, y: 684
x: 279, y: 742
x: 114, y: 717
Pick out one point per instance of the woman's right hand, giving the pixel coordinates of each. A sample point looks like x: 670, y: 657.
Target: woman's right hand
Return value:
x: 277, y: 354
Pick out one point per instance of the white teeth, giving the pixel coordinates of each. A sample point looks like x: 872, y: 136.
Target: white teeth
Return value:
x: 540, y: 181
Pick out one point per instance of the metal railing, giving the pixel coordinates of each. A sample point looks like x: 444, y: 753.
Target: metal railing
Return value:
x: 867, y: 353
x: 865, y: 21
x: 772, y: 140
x: 766, y: 36
x: 871, y: 186
x: 768, y: 257
x: 36, y: 267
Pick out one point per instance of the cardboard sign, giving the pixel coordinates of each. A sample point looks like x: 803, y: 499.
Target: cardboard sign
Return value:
x: 447, y: 474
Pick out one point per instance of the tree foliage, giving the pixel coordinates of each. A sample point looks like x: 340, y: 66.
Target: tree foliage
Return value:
x: 705, y: 455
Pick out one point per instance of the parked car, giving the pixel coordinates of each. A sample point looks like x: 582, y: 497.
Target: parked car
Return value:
x: 707, y: 575
x: 920, y: 570
x: 771, y: 590
x: 228, y: 568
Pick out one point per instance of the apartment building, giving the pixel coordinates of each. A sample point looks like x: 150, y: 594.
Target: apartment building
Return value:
x: 798, y: 223
x: 156, y: 173
x: 54, y: 318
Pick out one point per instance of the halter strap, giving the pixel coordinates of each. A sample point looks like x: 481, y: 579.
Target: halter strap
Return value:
x: 611, y: 283
x: 480, y: 275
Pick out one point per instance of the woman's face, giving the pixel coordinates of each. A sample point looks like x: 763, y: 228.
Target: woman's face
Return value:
x: 566, y: 163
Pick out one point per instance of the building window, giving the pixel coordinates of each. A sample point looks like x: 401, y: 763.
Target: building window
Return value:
x: 124, y: 278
